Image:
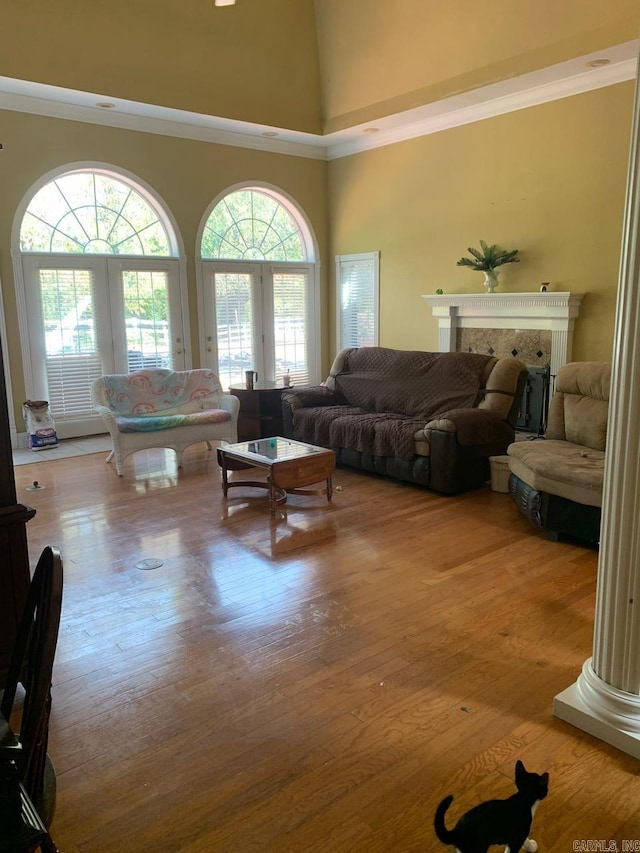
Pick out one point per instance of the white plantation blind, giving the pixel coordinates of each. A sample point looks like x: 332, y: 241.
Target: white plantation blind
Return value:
x: 291, y: 298
x: 357, y: 278
x: 72, y: 357
x: 234, y: 312
x: 69, y: 379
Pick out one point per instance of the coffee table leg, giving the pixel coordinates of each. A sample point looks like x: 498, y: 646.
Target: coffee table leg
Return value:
x: 329, y: 487
x: 225, y: 482
x: 272, y: 495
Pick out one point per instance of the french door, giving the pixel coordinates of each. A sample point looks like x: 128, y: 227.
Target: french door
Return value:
x: 91, y: 315
x: 260, y: 316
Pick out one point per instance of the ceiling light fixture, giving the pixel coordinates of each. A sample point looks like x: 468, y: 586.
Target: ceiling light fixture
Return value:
x: 225, y: 2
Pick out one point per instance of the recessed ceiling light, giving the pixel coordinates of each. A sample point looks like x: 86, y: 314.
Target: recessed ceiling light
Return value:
x: 225, y: 2
x: 270, y: 133
x: 371, y: 130
x: 105, y: 105
x: 598, y: 63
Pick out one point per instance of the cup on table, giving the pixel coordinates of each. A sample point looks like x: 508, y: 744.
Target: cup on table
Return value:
x: 286, y: 380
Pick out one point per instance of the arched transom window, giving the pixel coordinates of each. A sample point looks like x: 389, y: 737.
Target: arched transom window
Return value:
x: 251, y: 225
x: 87, y: 212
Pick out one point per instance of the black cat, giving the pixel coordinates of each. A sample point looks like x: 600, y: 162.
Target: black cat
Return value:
x: 497, y: 821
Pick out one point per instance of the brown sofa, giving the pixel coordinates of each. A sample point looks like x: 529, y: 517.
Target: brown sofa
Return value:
x: 557, y: 481
x: 423, y: 417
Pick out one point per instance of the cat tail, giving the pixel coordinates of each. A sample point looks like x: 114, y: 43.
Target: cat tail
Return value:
x: 445, y: 835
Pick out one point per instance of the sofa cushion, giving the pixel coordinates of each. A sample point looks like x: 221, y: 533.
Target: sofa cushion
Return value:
x: 562, y: 468
x: 151, y: 423
x: 376, y: 433
x: 406, y: 382
x: 313, y: 424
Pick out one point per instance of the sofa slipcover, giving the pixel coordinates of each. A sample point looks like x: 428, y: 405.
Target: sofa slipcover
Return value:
x: 424, y: 417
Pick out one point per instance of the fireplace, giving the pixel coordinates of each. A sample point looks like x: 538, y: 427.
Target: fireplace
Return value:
x: 537, y: 328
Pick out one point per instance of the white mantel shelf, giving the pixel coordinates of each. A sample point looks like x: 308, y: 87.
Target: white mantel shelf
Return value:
x: 549, y: 311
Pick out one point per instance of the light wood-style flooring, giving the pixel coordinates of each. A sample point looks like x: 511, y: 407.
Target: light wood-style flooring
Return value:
x: 315, y: 682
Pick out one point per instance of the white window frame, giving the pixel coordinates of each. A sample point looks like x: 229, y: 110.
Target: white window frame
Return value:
x: 344, y: 264
x: 208, y: 344
x: 262, y: 273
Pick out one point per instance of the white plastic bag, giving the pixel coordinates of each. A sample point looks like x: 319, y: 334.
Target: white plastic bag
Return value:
x: 40, y: 426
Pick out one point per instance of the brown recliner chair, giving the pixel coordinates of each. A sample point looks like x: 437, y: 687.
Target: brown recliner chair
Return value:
x: 557, y: 481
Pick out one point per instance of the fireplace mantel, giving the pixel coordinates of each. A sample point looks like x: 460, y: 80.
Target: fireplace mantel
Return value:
x: 555, y: 312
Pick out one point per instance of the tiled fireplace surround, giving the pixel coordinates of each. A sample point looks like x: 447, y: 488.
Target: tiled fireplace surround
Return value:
x: 534, y: 327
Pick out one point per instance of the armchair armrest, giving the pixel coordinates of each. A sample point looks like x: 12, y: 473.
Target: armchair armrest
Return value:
x: 473, y: 427
x: 107, y: 415
x: 230, y: 403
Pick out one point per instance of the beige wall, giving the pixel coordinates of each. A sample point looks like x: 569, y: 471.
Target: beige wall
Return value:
x: 549, y: 181
x: 384, y: 56
x: 186, y: 174
x: 256, y: 61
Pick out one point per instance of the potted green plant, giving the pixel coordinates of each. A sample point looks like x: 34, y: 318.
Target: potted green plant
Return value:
x: 486, y: 260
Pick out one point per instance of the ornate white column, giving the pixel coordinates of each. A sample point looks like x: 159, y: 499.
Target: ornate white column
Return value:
x: 605, y: 700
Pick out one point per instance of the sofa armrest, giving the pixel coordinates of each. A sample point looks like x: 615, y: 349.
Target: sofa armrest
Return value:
x: 311, y: 396
x: 473, y: 427
x: 307, y: 396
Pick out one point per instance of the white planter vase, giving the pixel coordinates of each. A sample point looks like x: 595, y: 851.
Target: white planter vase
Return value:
x: 490, y: 280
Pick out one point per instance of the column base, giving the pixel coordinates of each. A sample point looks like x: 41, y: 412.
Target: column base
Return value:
x: 601, y: 710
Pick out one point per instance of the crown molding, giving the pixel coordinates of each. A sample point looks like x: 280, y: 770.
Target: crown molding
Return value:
x: 563, y: 80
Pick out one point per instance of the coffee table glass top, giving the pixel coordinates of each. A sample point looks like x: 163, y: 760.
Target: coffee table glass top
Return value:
x: 272, y: 449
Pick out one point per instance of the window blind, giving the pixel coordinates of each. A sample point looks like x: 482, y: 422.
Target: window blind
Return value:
x: 71, y: 351
x: 291, y: 325
x: 357, y: 277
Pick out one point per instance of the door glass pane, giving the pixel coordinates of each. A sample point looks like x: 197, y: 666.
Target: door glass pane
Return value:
x: 147, y: 323
x: 234, y: 319
x: 71, y: 349
x: 290, y: 320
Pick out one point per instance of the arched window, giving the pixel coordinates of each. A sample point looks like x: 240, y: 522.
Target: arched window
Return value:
x: 259, y: 288
x: 252, y: 225
x: 102, y: 289
x: 89, y: 212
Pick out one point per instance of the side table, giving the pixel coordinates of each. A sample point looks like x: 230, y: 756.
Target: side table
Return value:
x: 260, y: 410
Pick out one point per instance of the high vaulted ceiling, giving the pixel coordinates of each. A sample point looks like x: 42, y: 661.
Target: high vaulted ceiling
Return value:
x: 321, y: 79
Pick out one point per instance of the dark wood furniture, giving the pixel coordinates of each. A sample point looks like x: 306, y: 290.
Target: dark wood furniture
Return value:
x: 289, y: 464
x: 14, y: 567
x: 26, y: 806
x: 260, y: 410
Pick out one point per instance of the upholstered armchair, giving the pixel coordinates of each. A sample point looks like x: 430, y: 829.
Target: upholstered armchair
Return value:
x: 557, y: 481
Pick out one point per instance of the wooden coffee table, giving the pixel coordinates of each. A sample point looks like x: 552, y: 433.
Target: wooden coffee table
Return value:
x: 290, y: 465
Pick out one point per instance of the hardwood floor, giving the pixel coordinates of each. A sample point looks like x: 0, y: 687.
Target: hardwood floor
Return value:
x: 317, y: 682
